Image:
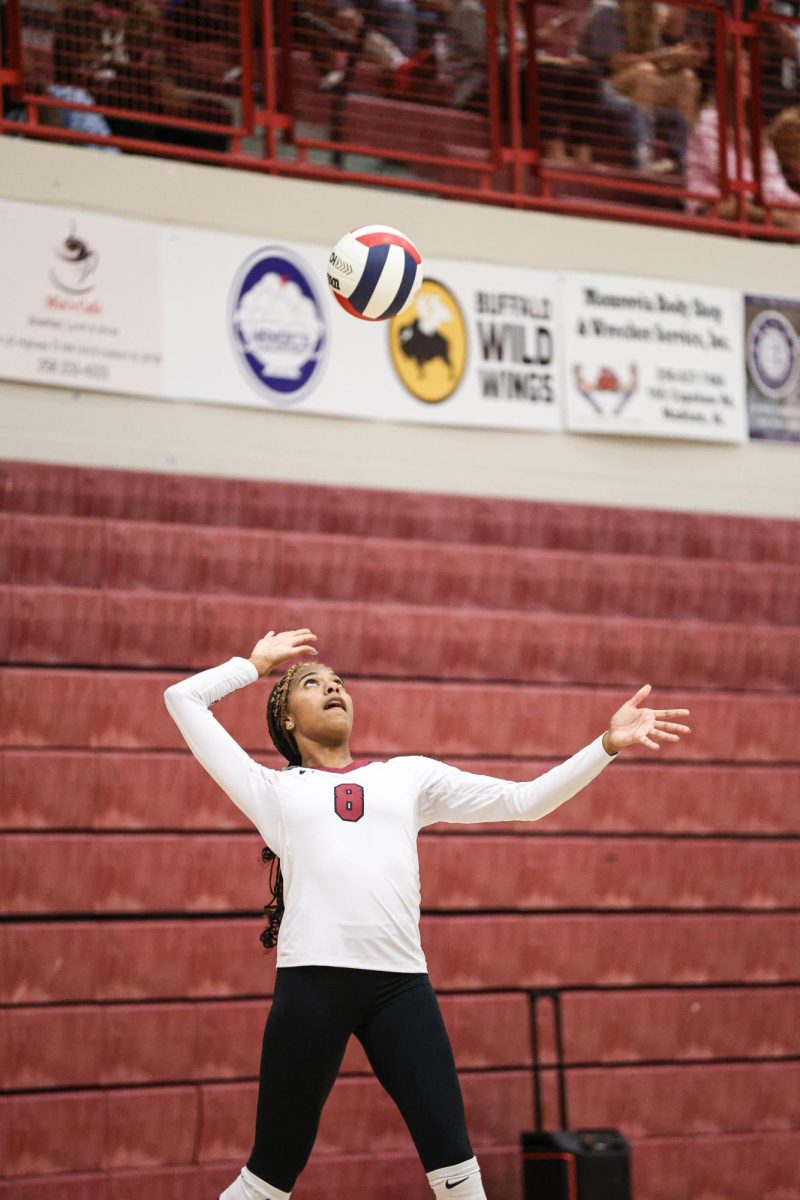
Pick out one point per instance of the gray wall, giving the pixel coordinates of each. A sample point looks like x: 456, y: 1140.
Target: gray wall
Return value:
x: 59, y: 425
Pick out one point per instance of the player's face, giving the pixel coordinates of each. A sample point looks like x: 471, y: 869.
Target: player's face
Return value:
x: 320, y: 705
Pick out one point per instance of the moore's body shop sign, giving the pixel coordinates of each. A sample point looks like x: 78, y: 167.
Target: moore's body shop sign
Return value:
x: 653, y: 358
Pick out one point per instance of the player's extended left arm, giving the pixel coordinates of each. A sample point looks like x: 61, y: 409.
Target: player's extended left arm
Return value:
x: 447, y: 794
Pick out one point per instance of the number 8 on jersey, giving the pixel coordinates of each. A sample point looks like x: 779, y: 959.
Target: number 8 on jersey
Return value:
x: 349, y: 801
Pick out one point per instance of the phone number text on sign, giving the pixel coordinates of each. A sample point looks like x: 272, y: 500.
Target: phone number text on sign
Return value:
x: 653, y: 358
x: 85, y: 307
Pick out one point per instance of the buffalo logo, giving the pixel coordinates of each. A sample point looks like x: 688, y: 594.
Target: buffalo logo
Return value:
x: 428, y: 344
x: 608, y: 386
x: 277, y: 325
x: 75, y: 265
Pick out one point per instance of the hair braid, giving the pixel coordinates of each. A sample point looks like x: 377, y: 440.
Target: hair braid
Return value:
x: 277, y: 712
x: 285, y: 744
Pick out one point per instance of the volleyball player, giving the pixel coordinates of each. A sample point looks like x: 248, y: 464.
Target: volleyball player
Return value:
x: 349, y: 954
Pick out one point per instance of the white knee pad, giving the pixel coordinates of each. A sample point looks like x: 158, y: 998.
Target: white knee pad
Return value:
x: 459, y: 1182
x: 248, y: 1186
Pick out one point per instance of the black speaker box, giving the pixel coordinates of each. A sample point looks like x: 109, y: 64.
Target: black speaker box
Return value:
x: 586, y: 1164
x: 564, y: 1164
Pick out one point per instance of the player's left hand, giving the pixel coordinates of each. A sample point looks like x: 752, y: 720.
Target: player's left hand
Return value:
x: 275, y: 648
x: 646, y: 726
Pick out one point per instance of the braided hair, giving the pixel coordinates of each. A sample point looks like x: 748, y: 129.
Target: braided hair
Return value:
x: 285, y: 744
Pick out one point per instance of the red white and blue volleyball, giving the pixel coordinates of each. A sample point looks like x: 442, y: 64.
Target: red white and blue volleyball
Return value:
x: 374, y: 272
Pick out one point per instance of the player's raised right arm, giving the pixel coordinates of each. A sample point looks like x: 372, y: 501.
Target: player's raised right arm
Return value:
x: 189, y: 704
x: 189, y: 701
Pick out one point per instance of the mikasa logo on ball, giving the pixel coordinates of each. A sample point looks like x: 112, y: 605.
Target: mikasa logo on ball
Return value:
x: 277, y: 325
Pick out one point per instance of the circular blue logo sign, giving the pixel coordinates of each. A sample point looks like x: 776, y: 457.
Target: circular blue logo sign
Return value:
x: 773, y: 357
x: 277, y: 325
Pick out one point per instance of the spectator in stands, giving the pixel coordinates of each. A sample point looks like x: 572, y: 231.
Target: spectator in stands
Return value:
x: 113, y: 52
x: 202, y: 44
x: 643, y: 78
x: 567, y: 88
x: 568, y: 97
x: 410, y: 25
x: 125, y: 75
x: 694, y: 27
x: 339, y: 31
x: 466, y: 54
x: 784, y: 133
x: 133, y: 76
x: 703, y: 169
x: 779, y: 44
x: 780, y: 59
x: 77, y: 52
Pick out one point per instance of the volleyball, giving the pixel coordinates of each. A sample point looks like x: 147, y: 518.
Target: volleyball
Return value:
x: 374, y: 272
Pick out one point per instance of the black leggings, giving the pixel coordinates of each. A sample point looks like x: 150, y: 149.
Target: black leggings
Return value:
x: 396, y: 1018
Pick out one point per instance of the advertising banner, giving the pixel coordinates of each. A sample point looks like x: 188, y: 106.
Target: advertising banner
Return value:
x: 81, y: 308
x: 249, y: 322
x: 652, y: 358
x: 772, y: 341
x: 127, y: 306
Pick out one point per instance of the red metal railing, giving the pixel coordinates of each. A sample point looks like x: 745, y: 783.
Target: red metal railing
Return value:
x: 515, y: 102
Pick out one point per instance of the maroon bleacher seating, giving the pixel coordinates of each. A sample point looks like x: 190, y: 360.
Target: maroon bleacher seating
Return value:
x: 119, y: 789
x: 219, y: 1039
x: 140, y: 495
x: 495, y: 634
x: 74, y: 960
x: 124, y: 709
x: 143, y: 873
x: 162, y: 556
x: 113, y: 628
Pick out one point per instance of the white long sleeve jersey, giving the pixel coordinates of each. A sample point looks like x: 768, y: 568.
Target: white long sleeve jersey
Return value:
x: 347, y: 838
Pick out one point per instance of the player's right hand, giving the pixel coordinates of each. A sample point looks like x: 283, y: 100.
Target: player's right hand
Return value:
x: 275, y: 648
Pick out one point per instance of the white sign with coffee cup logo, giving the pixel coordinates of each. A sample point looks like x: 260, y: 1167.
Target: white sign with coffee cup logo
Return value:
x: 84, y: 309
